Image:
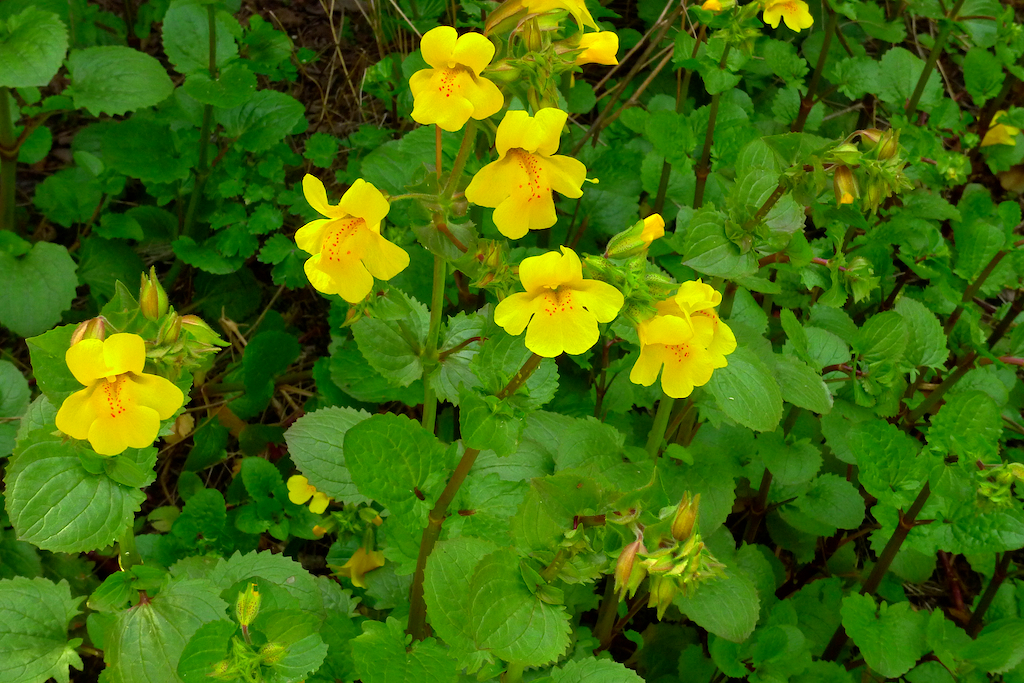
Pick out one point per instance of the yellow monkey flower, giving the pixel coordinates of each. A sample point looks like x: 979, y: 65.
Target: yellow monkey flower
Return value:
x: 453, y: 90
x: 347, y: 247
x: 121, y: 406
x: 598, y: 48
x: 360, y: 564
x: 300, y: 490
x: 559, y: 309
x: 699, y: 299
x: 577, y: 8
x: 1000, y: 133
x: 794, y: 12
x: 518, y: 185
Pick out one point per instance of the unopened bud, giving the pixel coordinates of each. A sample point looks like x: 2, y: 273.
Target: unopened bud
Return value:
x: 847, y: 153
x: 628, y: 572
x: 223, y: 669
x: 1017, y: 470
x: 870, y: 134
x: 844, y: 185
x: 200, y: 331
x: 170, y: 329
x: 94, y: 328
x: 152, y: 297
x: 636, y: 239
x: 248, y: 605
x: 686, y: 517
x: 272, y: 653
x: 889, y: 145
x: 663, y: 591
x: 712, y: 5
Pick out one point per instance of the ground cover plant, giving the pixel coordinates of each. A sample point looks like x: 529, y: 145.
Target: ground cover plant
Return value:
x: 527, y: 341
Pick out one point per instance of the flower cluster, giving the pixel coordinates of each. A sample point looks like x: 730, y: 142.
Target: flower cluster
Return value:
x: 685, y: 341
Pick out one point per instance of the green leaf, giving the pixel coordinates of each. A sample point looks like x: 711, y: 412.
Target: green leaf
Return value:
x: 890, y: 469
x: 508, y: 619
x: 395, y: 461
x: 32, y: 47
x: 283, y: 572
x: 316, y: 444
x: 57, y: 505
x: 114, y: 79
x: 998, y: 648
x: 260, y: 477
x: 186, y: 37
x: 891, y: 638
x: 747, y: 392
x: 103, y: 263
x: 454, y: 371
x: 983, y: 75
x: 801, y: 385
x: 501, y: 358
x: 381, y: 656
x: 233, y: 86
x: 790, y: 464
x: 266, y: 356
x: 207, y: 646
x: 856, y: 76
x: 926, y: 342
x: 727, y: 606
x: 671, y: 135
x: 590, y: 670
x: 287, y: 260
x: 833, y: 502
x: 68, y: 196
x: 977, y: 242
x: 128, y: 148
x: 301, y: 659
x: 968, y: 424
x: 263, y: 120
x: 34, y: 619
x: 14, y: 395
x: 37, y: 288
x: 205, y: 257
x: 882, y: 338
x: 796, y: 334
x: 145, y: 643
x: 321, y: 149
x: 393, y: 347
x: 709, y: 251
x: 486, y: 423
x: 899, y: 71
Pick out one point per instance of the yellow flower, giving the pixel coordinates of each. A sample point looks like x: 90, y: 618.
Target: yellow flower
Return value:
x: 844, y: 184
x: 347, y: 247
x: 685, y: 341
x: 518, y: 185
x: 1000, y: 133
x: 360, y: 564
x: 598, y: 48
x: 654, y: 228
x: 712, y: 5
x: 300, y: 490
x: 559, y: 309
x: 793, y: 12
x: 577, y: 8
x: 453, y: 90
x: 121, y: 406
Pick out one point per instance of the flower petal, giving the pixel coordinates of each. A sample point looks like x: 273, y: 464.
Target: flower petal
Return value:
x: 695, y: 295
x: 86, y: 362
x: 600, y: 298
x: 316, y: 195
x: 648, y: 365
x: 137, y: 427
x: 473, y: 50
x: 350, y: 278
x: 548, y: 124
x: 513, y: 131
x: 598, y: 48
x: 381, y: 258
x: 364, y: 200
x: 438, y: 46
x: 437, y: 105
x: 522, y: 212
x: 484, y: 95
x: 492, y: 184
x: 156, y: 392
x: 551, y: 270
x: 310, y: 237
x: 299, y: 489
x: 556, y: 329
x: 565, y: 175
x: 319, y: 503
x: 772, y: 15
x: 513, y: 312
x: 124, y: 353
x: 77, y: 413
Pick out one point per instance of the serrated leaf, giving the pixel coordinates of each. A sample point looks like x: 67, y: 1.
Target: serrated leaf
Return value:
x: 926, y: 342
x: 890, y: 468
x: 833, y: 501
x: 899, y: 71
x: 207, y: 646
x: 57, y: 505
x: 727, y: 606
x: 454, y: 370
x: 260, y: 477
x: 279, y: 570
x: 977, y: 242
x: 232, y: 86
x: 14, y: 395
x: 998, y: 648
x: 488, y: 424
x: 882, y: 338
x: 501, y: 358
x: 709, y: 251
x: 795, y: 332
x: 393, y: 347
x: 263, y: 120
x: 34, y: 619
x: 968, y: 424
x: 316, y: 443
x: 790, y: 464
x: 747, y: 392
x: 983, y: 75
x: 128, y: 148
x: 591, y: 670
x: 801, y: 385
x: 890, y: 637
x: 414, y: 459
x: 380, y: 656
x: 146, y: 642
x: 38, y: 287
x: 32, y: 47
x: 114, y: 79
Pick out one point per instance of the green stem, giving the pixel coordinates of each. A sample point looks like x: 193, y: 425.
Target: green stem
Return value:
x: 933, y: 57
x: 468, y: 138
x: 417, y: 607
x: 127, y: 555
x: 551, y: 571
x: 763, y: 210
x: 1004, y: 324
x: 812, y: 86
x: 974, y: 625
x: 929, y: 402
x: 760, y: 506
x: 430, y: 352
x: 513, y: 672
x: 881, y: 566
x: 8, y: 162
x: 661, y: 418
x: 972, y: 289
x: 704, y: 165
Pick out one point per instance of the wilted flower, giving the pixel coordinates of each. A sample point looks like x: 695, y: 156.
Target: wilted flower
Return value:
x: 1000, y: 133
x: 360, y: 564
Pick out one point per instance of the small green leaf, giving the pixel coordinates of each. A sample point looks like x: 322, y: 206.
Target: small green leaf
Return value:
x: 983, y: 75
x: 34, y: 619
x: 899, y: 71
x: 233, y: 86
x: 590, y: 670
x: 727, y: 606
x: 926, y: 342
x: 38, y: 288
x: 709, y: 251
x: 381, y: 656
x: 882, y: 338
x: 128, y: 148
x: 977, y: 242
x: 834, y: 502
x: 32, y: 47
x: 393, y: 347
x: 316, y: 443
x: 486, y: 423
x: 801, y: 385
x: 321, y: 149
x: 790, y: 464
x: 114, y: 79
x: 263, y: 120
x: 998, y: 648
x: 890, y: 468
x: 747, y: 392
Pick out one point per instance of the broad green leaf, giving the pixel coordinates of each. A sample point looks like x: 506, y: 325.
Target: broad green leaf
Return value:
x: 486, y: 423
x: 551, y: 504
x: 233, y: 86
x: 14, y: 395
x: 856, y: 76
x: 454, y: 371
x: 267, y: 355
x: 263, y: 120
x: 834, y: 502
x: 485, y: 505
x: 998, y: 648
x: 926, y: 342
x: 354, y: 376
x: 57, y: 505
x: 747, y: 392
x: 671, y: 135
x: 977, y: 242
x: 381, y: 656
x: 128, y: 148
x: 727, y: 606
x: 281, y: 571
x: 795, y: 332
x: 395, y: 461
x: 891, y: 638
x: 316, y: 444
x: 790, y: 464
x: 34, y: 619
x: 899, y: 71
x: 260, y: 477
x: 146, y: 642
x: 207, y: 646
x: 983, y: 75
x: 968, y: 425
x: 103, y: 263
x: 498, y: 362
x: 32, y: 47
x: 882, y: 338
x: 205, y: 256
x: 301, y: 659
x: 38, y: 287
x: 801, y: 385
x: 186, y: 37
x: 508, y: 619
x: 890, y: 468
x: 114, y: 79
x: 393, y: 347
x: 590, y: 670
x: 708, y: 250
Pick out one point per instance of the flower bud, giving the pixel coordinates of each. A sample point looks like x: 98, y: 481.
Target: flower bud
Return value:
x: 663, y: 591
x: 272, y: 653
x: 636, y: 239
x: 1017, y: 470
x: 152, y: 297
x: 889, y: 145
x: 686, y: 517
x: 844, y: 185
x: 200, y: 331
x: 629, y: 573
x: 847, y: 153
x: 224, y: 670
x: 94, y: 328
x: 870, y: 134
x: 170, y: 329
x: 248, y: 605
